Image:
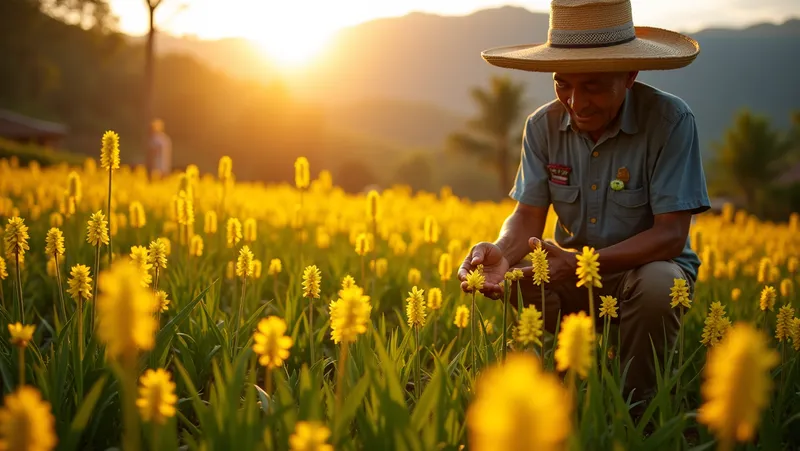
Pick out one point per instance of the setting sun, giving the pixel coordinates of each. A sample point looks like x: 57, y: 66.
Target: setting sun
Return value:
x: 292, y: 47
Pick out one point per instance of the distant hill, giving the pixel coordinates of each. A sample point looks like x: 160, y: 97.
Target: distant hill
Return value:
x: 431, y: 59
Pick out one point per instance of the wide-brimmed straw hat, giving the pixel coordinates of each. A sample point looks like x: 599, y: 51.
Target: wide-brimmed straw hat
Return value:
x: 597, y: 36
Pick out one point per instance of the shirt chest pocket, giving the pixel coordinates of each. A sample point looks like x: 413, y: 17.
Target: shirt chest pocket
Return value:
x: 566, y: 203
x: 629, y: 203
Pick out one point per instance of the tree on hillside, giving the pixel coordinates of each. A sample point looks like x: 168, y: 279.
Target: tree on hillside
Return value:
x: 494, y: 130
x: 751, y: 157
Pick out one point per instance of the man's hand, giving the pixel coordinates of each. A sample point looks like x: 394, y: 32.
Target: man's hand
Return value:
x: 495, y: 266
x: 562, y: 263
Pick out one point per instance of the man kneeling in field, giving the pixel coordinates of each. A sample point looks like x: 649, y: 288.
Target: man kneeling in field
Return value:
x: 619, y: 162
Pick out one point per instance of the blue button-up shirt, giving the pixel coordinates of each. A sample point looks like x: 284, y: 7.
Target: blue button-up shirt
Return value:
x: 652, y: 148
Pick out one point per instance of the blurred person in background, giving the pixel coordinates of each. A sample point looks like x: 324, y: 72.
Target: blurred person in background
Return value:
x: 159, y: 149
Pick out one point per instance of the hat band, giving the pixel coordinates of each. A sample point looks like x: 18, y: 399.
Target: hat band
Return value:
x: 603, y: 37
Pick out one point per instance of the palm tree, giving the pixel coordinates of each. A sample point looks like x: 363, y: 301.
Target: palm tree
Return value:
x: 495, y: 129
x: 752, y: 156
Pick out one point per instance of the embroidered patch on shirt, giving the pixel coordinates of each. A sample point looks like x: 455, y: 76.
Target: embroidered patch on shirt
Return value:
x: 559, y: 173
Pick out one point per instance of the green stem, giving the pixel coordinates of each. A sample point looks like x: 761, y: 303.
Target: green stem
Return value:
x: 340, y: 383
x: 80, y: 327
x: 21, y: 365
x: 110, y: 171
x: 96, y: 277
x: 155, y: 280
x: 311, y: 329
x: 591, y: 315
x: 60, y: 289
x: 606, y: 322
x: 2, y: 297
x: 19, y: 289
x: 505, y: 314
x: 472, y: 333
x: 131, y: 434
x: 680, y: 357
x: 239, y: 315
x: 268, y: 381
x: 418, y: 371
x: 543, y: 321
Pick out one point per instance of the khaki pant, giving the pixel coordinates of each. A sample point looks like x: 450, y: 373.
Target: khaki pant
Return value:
x: 644, y: 314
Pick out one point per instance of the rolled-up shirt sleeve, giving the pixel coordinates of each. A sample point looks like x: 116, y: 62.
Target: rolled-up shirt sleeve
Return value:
x: 530, y: 186
x: 678, y: 182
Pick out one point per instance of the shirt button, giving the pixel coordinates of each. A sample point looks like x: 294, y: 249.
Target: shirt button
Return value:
x: 595, y: 153
x: 593, y: 220
x: 594, y: 187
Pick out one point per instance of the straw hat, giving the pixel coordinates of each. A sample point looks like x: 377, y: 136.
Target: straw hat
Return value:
x: 597, y: 36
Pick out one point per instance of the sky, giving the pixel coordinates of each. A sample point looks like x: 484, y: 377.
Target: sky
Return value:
x: 307, y: 24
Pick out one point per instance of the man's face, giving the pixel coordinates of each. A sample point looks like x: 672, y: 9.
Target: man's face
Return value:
x: 593, y: 100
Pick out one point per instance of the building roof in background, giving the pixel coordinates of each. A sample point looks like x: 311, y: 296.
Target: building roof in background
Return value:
x: 15, y: 125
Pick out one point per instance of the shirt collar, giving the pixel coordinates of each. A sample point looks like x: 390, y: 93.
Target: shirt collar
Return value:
x: 626, y: 121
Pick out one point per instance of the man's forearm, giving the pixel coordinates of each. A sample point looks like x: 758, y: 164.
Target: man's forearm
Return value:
x: 653, y: 244
x: 522, y: 224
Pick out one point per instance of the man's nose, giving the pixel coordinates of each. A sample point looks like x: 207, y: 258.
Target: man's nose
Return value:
x: 577, y: 101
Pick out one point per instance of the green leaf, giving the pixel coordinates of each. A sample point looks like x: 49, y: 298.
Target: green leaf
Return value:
x: 81, y: 418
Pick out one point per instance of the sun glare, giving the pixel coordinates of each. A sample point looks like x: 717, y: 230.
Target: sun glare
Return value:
x: 292, y: 49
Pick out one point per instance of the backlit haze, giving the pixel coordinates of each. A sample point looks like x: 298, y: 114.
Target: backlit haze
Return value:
x: 293, y: 32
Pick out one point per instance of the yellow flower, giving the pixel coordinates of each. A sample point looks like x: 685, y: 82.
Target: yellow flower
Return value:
x: 349, y: 315
x: 348, y: 281
x: 364, y: 244
x: 506, y: 414
x: 373, y: 205
x: 529, y: 328
x: 16, y: 238
x: 230, y: 270
x: 196, y: 246
x: 137, y: 215
x: 139, y: 258
x: 784, y: 324
x: 26, y: 422
x: 476, y: 279
x: 541, y: 267
x: 575, y: 344
x: 414, y: 276
x: 97, y: 229
x: 310, y: 436
x: 256, y: 268
x: 21, y: 335
x: 302, y: 176
x: 792, y: 264
x: 588, y: 268
x: 80, y: 283
x: 716, y: 325
x: 765, y: 270
x: 250, y: 230
x: 680, y: 294
x: 787, y: 287
x: 125, y: 312
x: 185, y: 209
x: 244, y: 264
x: 431, y: 230
x: 274, y: 267
x: 379, y: 267
x: 225, y: 169
x: 462, y: 317
x: 3, y: 271
x: 735, y: 293
x: 768, y: 296
x: 157, y: 398
x: 210, y: 222
x: 271, y: 343
x: 56, y: 220
x: 109, y: 152
x: 311, y: 282
x: 415, y: 307
x: 737, y: 384
x: 233, y: 232
x: 435, y: 298
x: 445, y: 267
x: 157, y: 254
x: 54, y: 242
x: 488, y: 326
x: 74, y: 187
x: 795, y: 333
x: 162, y: 303
x: 608, y: 306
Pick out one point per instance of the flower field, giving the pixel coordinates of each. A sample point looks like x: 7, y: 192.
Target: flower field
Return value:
x: 192, y: 311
